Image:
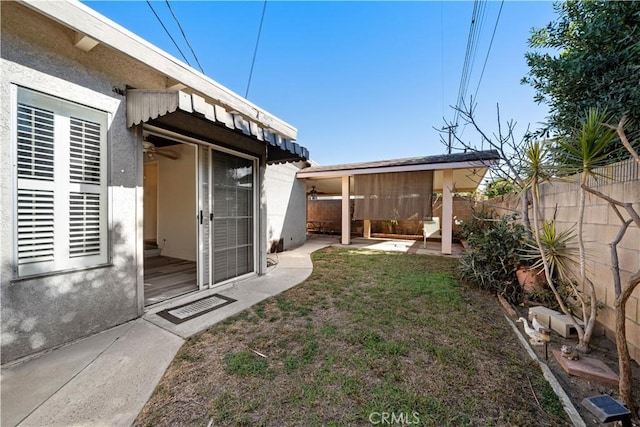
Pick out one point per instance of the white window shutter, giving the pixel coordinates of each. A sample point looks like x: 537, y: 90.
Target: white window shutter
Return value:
x: 85, y: 176
x: 35, y: 226
x: 35, y: 139
x: 35, y: 170
x: 85, y: 144
x: 61, y: 195
x: 84, y: 224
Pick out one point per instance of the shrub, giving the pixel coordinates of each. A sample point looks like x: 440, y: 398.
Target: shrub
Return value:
x: 493, y: 254
x: 480, y: 221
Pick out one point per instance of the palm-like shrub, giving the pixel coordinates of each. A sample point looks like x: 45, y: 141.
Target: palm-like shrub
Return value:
x: 559, y: 249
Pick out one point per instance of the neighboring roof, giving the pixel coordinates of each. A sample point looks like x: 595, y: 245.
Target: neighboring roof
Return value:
x: 444, y: 161
x: 92, y: 28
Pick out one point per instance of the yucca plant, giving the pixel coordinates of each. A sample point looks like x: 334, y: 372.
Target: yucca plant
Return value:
x: 586, y: 148
x: 560, y: 251
x: 583, y: 152
x: 537, y: 154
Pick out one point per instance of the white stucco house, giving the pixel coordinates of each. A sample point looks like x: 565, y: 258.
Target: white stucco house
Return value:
x: 112, y: 150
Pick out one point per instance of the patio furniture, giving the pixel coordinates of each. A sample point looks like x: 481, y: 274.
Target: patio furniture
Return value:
x: 430, y: 227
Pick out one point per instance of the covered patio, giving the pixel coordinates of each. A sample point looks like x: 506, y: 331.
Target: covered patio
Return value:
x: 400, y: 180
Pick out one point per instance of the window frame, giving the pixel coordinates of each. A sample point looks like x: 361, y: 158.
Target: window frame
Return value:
x: 64, y: 111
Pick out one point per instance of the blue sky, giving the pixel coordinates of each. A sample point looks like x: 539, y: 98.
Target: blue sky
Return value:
x: 360, y: 81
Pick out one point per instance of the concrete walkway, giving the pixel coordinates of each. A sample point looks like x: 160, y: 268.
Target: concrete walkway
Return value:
x: 106, y: 379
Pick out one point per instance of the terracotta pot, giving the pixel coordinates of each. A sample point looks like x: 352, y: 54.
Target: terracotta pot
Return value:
x: 530, y: 280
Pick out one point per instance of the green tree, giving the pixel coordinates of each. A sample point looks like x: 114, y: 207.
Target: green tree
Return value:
x: 596, y: 63
x: 498, y: 187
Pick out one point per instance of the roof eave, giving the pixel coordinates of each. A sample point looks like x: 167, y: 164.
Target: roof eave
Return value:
x: 307, y: 173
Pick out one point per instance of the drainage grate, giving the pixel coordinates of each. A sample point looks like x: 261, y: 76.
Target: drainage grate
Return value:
x: 196, y: 308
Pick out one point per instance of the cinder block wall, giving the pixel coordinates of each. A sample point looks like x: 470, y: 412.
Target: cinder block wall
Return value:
x: 601, y: 225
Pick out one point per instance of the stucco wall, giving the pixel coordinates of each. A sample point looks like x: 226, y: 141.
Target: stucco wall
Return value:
x: 286, y: 205
x: 44, y: 312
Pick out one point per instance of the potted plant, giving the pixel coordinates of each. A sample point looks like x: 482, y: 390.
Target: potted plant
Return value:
x: 531, y: 279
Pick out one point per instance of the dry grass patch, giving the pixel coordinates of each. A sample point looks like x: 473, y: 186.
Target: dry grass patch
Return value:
x: 367, y: 333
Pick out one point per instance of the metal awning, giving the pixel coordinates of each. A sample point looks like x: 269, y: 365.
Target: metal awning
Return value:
x: 146, y: 106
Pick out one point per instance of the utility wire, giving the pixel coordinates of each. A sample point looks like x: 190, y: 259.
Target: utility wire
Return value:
x: 495, y: 27
x: 465, y: 65
x: 477, y: 19
x: 255, y: 51
x: 184, y: 36
x: 481, y: 12
x: 442, y: 51
x: 168, y: 33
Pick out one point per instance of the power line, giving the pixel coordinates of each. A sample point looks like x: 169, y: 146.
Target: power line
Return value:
x: 464, y: 77
x: 442, y: 51
x: 255, y: 51
x: 168, y: 33
x: 475, y: 27
x: 495, y: 27
x: 184, y: 36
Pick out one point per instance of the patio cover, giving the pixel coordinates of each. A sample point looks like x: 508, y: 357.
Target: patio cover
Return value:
x: 153, y: 106
x: 451, y: 173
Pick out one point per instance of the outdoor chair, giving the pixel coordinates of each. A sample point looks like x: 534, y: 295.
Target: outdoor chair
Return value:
x: 430, y: 227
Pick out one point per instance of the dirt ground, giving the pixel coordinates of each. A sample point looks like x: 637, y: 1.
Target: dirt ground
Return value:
x: 578, y: 388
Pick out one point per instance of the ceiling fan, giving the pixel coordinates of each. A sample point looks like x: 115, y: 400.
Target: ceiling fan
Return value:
x: 151, y: 151
x: 313, y: 193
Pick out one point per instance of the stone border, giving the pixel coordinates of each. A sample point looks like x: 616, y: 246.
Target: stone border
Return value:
x: 571, y: 410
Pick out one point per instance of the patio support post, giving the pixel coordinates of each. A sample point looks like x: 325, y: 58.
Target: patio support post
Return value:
x: 447, y: 211
x: 346, y: 217
x: 366, y: 232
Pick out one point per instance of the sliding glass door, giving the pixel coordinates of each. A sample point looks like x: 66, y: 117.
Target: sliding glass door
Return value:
x: 204, y: 217
x: 226, y: 216
x: 233, y: 216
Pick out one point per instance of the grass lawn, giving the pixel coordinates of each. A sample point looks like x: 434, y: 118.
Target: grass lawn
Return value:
x: 370, y: 338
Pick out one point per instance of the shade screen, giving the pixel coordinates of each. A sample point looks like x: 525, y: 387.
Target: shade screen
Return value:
x: 393, y: 196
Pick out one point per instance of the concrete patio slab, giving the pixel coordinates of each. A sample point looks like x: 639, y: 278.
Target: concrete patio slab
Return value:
x: 404, y: 246
x: 47, y: 374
